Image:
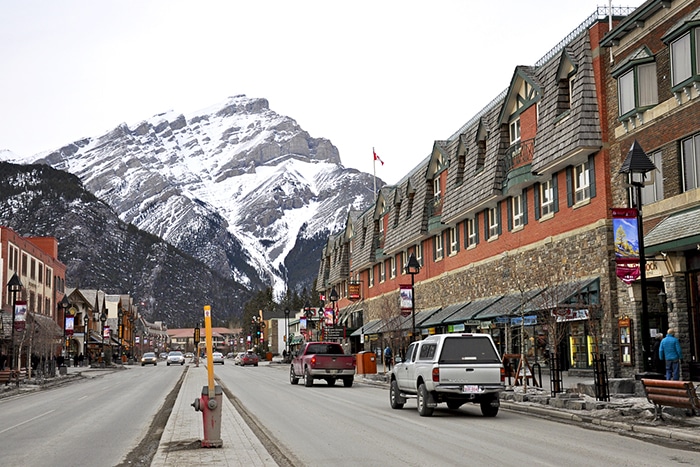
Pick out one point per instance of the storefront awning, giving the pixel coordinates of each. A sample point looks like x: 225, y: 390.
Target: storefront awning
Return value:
x: 369, y: 328
x: 562, y: 294
x: 677, y: 232
x: 508, y: 305
x: 444, y: 314
x: 473, y: 309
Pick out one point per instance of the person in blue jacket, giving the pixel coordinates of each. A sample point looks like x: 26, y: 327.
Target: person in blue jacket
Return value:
x: 670, y: 350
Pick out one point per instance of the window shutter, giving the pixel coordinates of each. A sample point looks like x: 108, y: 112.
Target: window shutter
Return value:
x: 466, y: 234
x: 555, y: 192
x: 591, y: 174
x: 456, y: 240
x: 476, y: 227
x: 509, y: 205
x: 499, y: 218
x: 486, y: 224
x: 569, y: 186
x: 524, y: 198
x: 537, y: 201
x: 435, y: 247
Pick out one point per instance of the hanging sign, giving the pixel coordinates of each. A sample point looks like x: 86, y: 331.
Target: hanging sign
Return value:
x: 70, y: 322
x: 354, y: 291
x: 406, y: 300
x: 626, y: 230
x: 20, y: 315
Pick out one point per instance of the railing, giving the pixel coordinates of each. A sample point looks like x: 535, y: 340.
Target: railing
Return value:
x: 519, y: 154
x: 435, y: 206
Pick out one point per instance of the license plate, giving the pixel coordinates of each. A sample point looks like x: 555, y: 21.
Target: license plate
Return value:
x: 332, y: 371
x: 470, y: 388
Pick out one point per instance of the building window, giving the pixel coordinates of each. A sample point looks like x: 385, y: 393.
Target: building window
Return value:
x: 382, y: 271
x: 472, y: 232
x: 24, y: 265
x: 681, y: 59
x: 454, y: 241
x: 690, y: 154
x: 582, y: 185
x: 654, y: 191
x: 419, y: 253
x: 392, y: 264
x: 494, y: 225
x: 439, y: 249
x: 637, y: 89
x: 517, y: 211
x: 371, y: 276
x: 546, y: 198
x: 514, y: 131
x: 49, y: 275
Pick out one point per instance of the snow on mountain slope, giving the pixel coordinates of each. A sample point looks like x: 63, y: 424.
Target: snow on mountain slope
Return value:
x: 235, y: 185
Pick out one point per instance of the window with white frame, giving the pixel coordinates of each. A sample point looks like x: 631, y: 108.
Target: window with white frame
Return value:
x: 514, y: 131
x: 681, y: 59
x: 690, y: 155
x: 392, y: 265
x: 637, y: 88
x: 546, y: 198
x: 371, y: 276
x: 382, y: 271
x: 436, y: 187
x: 517, y: 211
x: 493, y: 222
x: 472, y: 233
x: 439, y: 249
x: 582, y: 183
x: 454, y: 241
x: 654, y: 191
x: 419, y: 253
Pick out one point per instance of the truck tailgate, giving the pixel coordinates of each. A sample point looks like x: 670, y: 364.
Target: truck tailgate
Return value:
x: 470, y: 374
x: 333, y: 362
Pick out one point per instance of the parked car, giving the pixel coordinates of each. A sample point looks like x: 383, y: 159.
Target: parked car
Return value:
x: 249, y: 358
x: 149, y: 358
x: 175, y: 357
x: 218, y: 357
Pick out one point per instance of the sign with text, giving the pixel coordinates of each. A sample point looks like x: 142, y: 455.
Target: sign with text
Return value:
x: 354, y: 291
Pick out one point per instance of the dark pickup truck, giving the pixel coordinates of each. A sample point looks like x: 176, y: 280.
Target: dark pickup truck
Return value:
x: 322, y: 360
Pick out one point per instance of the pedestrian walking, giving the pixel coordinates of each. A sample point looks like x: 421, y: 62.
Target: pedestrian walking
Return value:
x: 659, y: 364
x: 670, y: 350
x: 387, y: 357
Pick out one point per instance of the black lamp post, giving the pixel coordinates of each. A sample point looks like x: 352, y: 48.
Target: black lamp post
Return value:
x: 635, y: 166
x: 103, y: 318
x: 64, y: 304
x: 286, y: 340
x: 15, y: 287
x: 307, y: 314
x: 86, y: 333
x: 413, y: 268
x: 132, y: 318
x: 334, y: 299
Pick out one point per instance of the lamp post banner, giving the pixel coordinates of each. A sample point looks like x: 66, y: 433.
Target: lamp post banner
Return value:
x: 20, y: 315
x: 70, y: 325
x: 406, y: 299
x: 626, y: 228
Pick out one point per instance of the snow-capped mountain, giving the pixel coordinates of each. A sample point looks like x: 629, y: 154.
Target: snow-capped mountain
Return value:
x: 235, y: 185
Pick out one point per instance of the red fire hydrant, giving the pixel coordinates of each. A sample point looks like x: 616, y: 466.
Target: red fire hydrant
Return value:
x: 211, y: 416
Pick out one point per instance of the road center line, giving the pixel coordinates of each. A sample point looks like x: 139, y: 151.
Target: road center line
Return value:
x: 26, y: 421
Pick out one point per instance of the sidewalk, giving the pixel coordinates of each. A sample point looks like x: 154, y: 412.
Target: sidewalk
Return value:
x: 180, y: 445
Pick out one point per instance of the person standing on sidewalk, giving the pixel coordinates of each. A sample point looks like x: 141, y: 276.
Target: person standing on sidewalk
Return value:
x: 388, y: 357
x: 658, y: 363
x: 670, y: 350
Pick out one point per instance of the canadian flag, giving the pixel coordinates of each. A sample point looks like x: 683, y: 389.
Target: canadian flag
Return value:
x: 376, y: 157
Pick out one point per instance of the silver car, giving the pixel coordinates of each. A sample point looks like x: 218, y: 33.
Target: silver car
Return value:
x: 175, y: 357
x: 218, y: 357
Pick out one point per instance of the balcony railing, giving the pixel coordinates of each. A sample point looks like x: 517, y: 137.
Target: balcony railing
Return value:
x: 435, y: 206
x: 519, y: 154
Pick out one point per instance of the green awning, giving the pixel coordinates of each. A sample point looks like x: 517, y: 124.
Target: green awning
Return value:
x: 677, y: 232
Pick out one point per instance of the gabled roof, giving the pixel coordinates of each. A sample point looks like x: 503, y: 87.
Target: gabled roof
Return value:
x: 524, y: 80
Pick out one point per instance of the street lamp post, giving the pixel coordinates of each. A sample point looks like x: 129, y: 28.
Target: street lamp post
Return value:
x: 286, y: 339
x: 334, y: 299
x: 15, y: 287
x: 635, y: 166
x: 86, y: 333
x: 63, y: 305
x: 103, y: 318
x: 307, y: 315
x: 413, y: 268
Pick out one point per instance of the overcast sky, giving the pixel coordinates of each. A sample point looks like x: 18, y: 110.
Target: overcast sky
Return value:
x: 393, y: 75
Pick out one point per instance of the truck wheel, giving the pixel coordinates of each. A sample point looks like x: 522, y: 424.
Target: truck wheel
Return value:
x: 489, y: 408
x: 292, y: 377
x: 308, y: 379
x: 347, y: 381
x: 395, y: 398
x: 422, y: 399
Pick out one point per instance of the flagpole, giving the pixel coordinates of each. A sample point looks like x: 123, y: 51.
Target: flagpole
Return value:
x: 374, y: 172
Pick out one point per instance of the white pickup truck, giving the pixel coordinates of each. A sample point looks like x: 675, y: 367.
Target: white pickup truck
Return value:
x: 450, y: 368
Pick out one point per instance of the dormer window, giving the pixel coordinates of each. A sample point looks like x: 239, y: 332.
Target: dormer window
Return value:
x: 515, y: 131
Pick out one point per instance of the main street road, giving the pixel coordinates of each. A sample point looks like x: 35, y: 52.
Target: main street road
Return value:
x: 91, y: 422
x: 324, y: 425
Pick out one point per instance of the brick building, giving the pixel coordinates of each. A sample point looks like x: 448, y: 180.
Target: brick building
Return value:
x: 510, y: 218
